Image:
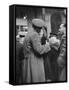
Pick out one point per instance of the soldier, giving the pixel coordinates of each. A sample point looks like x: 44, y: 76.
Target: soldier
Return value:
x: 33, y: 68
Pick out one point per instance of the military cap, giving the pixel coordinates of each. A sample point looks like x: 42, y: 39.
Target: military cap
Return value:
x: 38, y: 22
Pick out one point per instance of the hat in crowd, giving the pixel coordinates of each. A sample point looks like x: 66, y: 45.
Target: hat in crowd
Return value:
x: 38, y: 22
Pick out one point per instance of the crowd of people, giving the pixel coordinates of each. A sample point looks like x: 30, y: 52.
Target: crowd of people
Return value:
x: 41, y: 58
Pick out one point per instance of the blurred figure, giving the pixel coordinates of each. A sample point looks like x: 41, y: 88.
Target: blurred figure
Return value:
x: 33, y: 68
x: 19, y: 58
x: 62, y: 55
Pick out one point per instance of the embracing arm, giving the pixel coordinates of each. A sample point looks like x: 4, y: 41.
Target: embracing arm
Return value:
x: 36, y: 43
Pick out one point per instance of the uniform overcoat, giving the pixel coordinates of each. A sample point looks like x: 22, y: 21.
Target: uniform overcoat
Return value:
x: 33, y: 66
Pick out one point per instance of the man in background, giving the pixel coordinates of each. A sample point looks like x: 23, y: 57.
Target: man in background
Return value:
x: 19, y: 58
x: 62, y: 54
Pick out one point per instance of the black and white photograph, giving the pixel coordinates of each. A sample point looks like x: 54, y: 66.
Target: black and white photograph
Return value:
x: 38, y: 44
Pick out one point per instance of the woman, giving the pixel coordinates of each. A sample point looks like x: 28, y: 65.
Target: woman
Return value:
x: 33, y: 68
x: 50, y: 58
x: 47, y: 67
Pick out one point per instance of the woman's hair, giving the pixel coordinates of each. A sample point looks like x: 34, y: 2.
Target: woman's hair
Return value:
x: 45, y: 29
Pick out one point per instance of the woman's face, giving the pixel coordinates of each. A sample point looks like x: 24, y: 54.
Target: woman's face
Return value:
x: 41, y: 33
x: 44, y: 32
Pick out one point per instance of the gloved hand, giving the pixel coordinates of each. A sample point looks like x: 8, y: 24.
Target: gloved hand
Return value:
x: 55, y: 43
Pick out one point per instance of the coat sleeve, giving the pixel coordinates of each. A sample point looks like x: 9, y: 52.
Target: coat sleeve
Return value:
x: 36, y: 43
